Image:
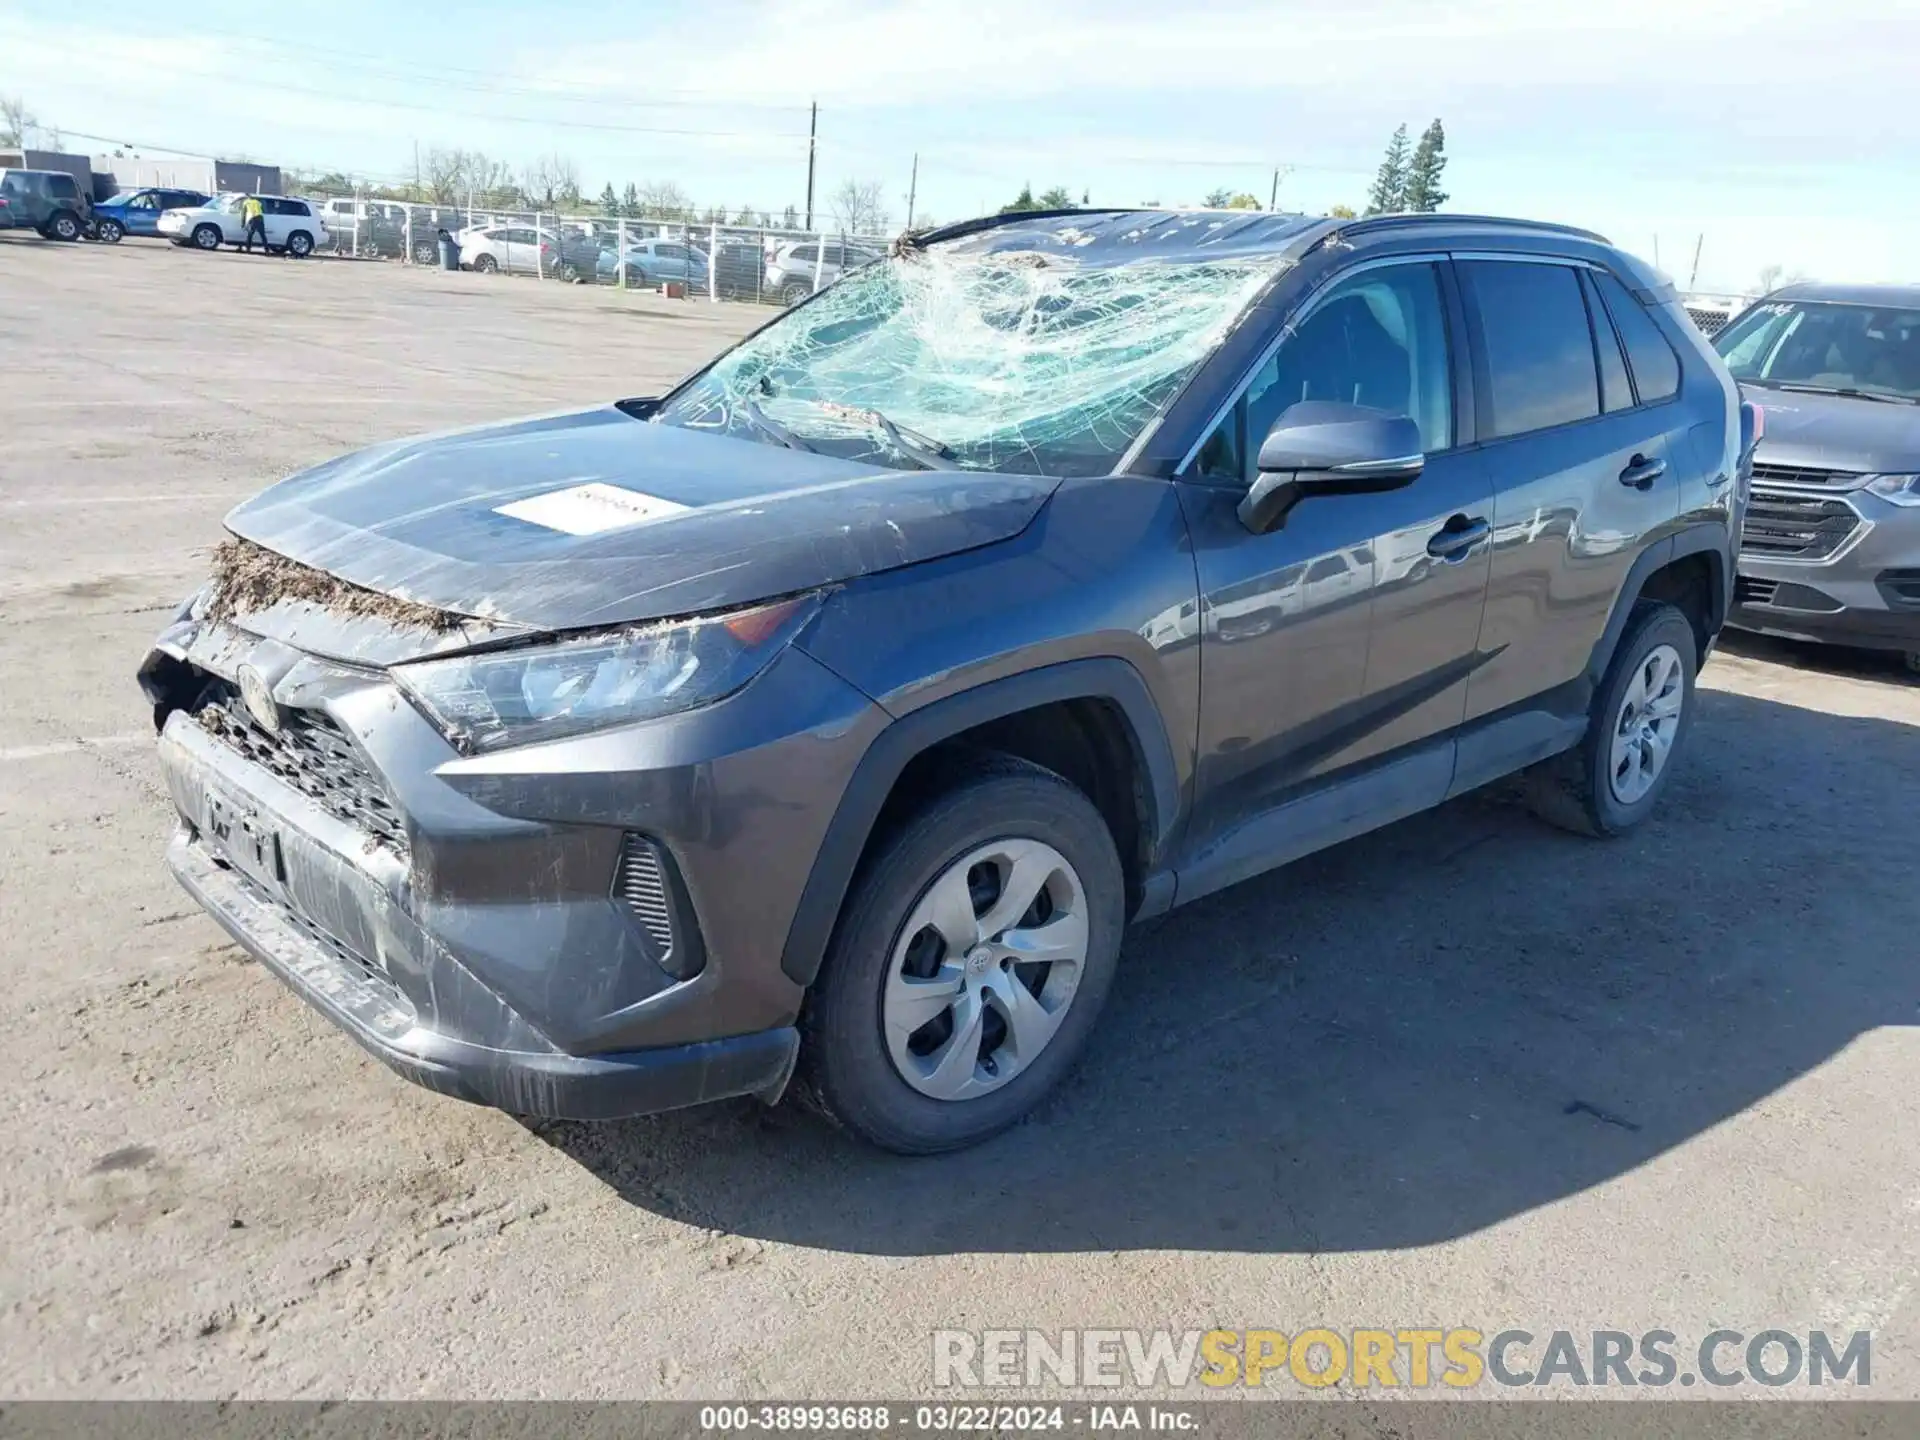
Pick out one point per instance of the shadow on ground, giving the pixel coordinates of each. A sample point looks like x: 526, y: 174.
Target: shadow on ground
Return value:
x: 1407, y: 1038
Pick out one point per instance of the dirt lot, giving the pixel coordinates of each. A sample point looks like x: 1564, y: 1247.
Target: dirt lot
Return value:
x: 1466, y: 1071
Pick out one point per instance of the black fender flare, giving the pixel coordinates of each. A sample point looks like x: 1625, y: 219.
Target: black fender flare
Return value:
x: 1099, y: 678
x: 1710, y: 540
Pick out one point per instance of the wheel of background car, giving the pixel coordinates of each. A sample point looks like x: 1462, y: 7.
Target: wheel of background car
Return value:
x: 207, y: 237
x: 485, y: 264
x: 569, y: 272
x: 970, y: 963
x: 65, y: 226
x: 425, y: 254
x: 794, y: 291
x: 111, y: 231
x: 1641, y: 713
x: 299, y: 244
x: 1913, y: 661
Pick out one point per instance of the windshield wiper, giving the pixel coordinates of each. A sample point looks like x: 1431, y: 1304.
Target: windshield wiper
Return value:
x: 767, y: 425
x: 930, y: 452
x: 1852, y: 392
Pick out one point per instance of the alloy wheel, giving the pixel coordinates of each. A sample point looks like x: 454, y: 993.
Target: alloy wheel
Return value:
x: 984, y: 969
x: 1649, y: 718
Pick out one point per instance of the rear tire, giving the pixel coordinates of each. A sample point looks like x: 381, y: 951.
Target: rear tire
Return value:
x: 65, y: 225
x: 1638, y: 723
x: 794, y: 291
x: 1004, y: 827
x: 299, y: 244
x: 1913, y: 662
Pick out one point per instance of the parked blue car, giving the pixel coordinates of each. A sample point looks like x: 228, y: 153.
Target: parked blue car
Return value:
x: 137, y: 212
x: 651, y: 261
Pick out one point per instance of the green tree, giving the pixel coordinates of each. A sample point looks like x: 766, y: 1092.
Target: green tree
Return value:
x: 1423, y: 173
x: 1022, y: 202
x: 1244, y: 201
x: 1218, y: 199
x: 1342, y: 212
x: 1390, y: 184
x: 1057, y: 199
x: 609, y: 203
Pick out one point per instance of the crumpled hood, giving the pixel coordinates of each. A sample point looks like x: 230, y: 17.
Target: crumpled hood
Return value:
x: 618, y: 520
x: 1837, y: 432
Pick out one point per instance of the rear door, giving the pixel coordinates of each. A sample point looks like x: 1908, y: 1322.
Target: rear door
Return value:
x: 1582, y: 473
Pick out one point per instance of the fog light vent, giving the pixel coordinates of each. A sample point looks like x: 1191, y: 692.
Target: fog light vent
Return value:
x: 646, y: 884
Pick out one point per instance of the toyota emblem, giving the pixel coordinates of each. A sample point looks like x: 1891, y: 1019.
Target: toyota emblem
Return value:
x: 258, y: 697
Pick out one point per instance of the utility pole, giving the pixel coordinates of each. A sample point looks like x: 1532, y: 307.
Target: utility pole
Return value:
x: 1273, y: 200
x: 813, y: 132
x: 913, y: 189
x: 1694, y: 278
x: 416, y: 169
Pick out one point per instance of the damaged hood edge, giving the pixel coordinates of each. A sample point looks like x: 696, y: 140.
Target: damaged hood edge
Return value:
x: 733, y: 522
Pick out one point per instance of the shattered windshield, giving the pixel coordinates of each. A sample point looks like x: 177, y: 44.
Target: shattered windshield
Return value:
x: 1012, y: 360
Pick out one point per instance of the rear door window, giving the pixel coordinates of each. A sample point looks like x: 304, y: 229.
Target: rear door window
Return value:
x: 1539, y: 348
x: 1656, y: 369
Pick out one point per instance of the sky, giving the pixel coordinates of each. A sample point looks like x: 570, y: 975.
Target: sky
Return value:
x: 1763, y: 133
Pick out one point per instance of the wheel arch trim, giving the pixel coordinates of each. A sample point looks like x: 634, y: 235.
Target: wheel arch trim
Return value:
x: 1704, y: 539
x: 1101, y: 678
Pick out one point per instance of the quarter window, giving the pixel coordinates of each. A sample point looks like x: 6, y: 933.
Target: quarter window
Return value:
x: 1540, y: 366
x: 1656, y: 369
x: 1616, y: 391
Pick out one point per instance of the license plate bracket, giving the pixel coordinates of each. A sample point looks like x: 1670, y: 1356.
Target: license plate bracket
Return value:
x: 238, y: 834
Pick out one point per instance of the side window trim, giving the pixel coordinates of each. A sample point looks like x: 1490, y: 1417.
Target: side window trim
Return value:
x: 1237, y: 392
x: 1600, y: 317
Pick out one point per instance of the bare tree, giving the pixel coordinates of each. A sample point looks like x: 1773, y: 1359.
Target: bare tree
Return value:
x: 550, y: 181
x: 1770, y: 277
x: 443, y: 173
x: 860, y: 208
x: 16, y: 124
x: 664, y: 200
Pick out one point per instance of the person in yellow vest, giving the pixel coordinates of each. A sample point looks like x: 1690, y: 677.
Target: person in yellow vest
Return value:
x: 256, y: 218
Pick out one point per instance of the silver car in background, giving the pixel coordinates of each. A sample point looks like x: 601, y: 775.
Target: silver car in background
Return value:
x: 799, y: 267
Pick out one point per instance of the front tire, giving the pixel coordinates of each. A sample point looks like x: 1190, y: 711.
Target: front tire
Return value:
x: 207, y: 237
x: 971, y: 960
x: 111, y: 232
x: 1641, y: 713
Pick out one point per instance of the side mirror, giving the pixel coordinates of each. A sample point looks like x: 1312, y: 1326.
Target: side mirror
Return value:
x: 1327, y: 447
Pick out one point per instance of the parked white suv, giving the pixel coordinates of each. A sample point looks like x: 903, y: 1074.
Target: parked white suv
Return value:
x: 292, y: 225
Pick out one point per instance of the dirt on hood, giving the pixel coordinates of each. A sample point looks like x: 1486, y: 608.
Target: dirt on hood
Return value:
x: 249, y: 577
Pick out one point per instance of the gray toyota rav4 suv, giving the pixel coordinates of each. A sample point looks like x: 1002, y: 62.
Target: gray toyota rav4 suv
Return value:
x: 826, y: 719
x: 1831, y: 548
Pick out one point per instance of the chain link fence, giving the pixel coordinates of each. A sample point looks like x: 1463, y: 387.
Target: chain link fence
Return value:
x: 710, y: 260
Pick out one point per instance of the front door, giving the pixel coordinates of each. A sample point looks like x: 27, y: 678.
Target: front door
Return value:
x: 1349, y: 632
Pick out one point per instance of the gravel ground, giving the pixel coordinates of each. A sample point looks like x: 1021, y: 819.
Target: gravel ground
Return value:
x: 1465, y: 1071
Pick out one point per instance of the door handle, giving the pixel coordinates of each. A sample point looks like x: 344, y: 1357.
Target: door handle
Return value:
x: 1642, y: 472
x: 1459, y: 536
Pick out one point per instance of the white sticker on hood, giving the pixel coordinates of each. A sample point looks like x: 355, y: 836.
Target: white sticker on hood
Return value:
x: 589, y: 509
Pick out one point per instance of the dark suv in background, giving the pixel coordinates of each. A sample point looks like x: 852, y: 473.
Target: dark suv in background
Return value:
x: 49, y: 201
x: 1831, y: 549
x: 838, y: 709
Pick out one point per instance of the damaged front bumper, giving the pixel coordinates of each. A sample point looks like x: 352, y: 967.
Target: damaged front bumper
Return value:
x: 475, y: 923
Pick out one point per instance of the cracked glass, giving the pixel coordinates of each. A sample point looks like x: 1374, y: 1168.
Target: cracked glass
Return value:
x: 1010, y: 360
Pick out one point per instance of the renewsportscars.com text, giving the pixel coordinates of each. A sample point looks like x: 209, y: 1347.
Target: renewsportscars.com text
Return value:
x: 1459, y: 1358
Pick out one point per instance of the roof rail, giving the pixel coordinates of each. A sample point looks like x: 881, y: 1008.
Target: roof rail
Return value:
x: 1450, y: 218
x: 992, y: 222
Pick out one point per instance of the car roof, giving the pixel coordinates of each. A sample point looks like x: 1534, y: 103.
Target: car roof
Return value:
x: 1114, y: 237
x: 1896, y: 295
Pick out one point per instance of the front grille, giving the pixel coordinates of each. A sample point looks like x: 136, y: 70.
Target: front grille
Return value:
x: 313, y: 755
x: 1708, y: 321
x: 1783, y: 526
x: 1748, y: 591
x: 1803, y: 475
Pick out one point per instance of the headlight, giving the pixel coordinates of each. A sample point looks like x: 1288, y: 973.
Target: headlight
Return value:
x: 1900, y: 489
x: 492, y: 699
